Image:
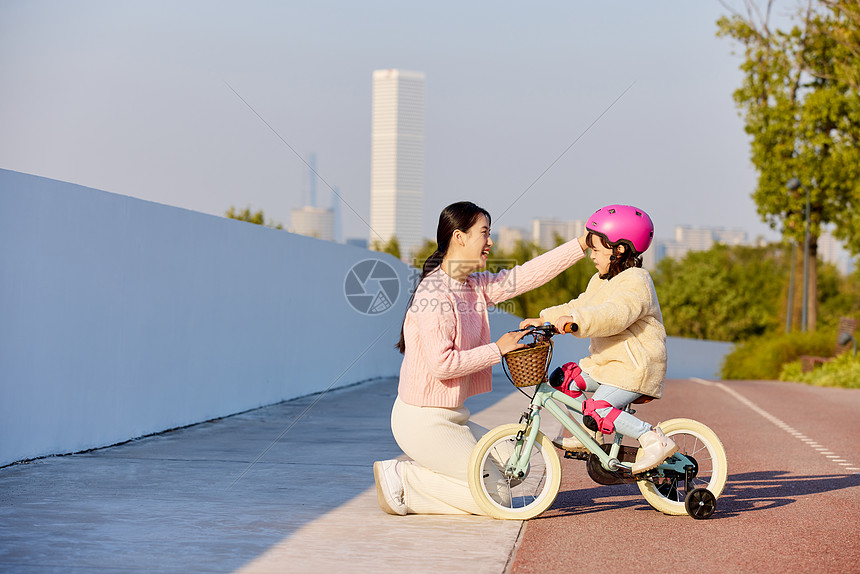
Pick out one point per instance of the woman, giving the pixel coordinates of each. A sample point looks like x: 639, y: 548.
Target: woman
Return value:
x: 448, y: 357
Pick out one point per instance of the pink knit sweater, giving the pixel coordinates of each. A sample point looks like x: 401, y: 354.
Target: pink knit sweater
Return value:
x: 449, y: 353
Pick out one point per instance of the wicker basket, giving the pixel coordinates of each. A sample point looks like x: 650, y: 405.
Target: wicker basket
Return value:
x: 527, y: 367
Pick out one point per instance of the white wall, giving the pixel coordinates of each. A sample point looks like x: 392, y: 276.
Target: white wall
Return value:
x: 121, y: 318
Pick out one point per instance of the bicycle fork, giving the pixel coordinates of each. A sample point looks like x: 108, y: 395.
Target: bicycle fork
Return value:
x: 517, y: 464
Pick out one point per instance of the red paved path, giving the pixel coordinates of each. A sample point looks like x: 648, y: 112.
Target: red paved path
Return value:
x: 787, y: 506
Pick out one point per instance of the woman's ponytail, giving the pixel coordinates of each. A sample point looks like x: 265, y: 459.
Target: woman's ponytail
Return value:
x: 430, y: 264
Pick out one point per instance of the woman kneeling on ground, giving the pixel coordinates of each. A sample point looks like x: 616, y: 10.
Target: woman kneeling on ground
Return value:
x: 448, y: 357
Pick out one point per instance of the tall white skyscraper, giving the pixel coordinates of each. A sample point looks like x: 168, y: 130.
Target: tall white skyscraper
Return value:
x: 397, y: 159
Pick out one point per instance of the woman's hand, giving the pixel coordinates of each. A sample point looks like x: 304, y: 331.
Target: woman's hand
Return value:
x: 510, y: 342
x: 562, y: 321
x: 582, y: 242
x: 526, y: 323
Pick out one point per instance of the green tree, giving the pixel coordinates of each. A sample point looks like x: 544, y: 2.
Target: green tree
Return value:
x: 723, y: 294
x: 840, y: 295
x: 846, y: 32
x: 739, y: 293
x: 256, y: 217
x: 392, y: 246
x: 803, y: 119
x: 422, y: 253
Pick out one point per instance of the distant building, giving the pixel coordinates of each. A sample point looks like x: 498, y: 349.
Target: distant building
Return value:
x: 672, y: 249
x: 509, y: 237
x: 695, y: 238
x: 545, y: 231
x: 397, y: 159
x: 653, y: 255
x: 313, y: 221
x: 731, y: 237
x: 832, y: 251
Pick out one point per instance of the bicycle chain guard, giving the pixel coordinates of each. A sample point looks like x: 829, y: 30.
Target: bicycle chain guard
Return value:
x: 602, y: 476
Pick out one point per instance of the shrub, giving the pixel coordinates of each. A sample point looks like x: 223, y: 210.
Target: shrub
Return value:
x: 764, y: 357
x: 843, y: 371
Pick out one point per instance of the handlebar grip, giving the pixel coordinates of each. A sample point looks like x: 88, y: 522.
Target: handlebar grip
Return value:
x: 571, y: 328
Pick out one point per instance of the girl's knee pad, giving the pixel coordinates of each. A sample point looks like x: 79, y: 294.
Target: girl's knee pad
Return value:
x: 594, y: 420
x: 568, y: 379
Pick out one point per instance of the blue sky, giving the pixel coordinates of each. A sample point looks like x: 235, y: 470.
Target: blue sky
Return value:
x: 133, y: 98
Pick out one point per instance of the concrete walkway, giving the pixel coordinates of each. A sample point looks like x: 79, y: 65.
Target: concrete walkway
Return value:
x: 286, y: 488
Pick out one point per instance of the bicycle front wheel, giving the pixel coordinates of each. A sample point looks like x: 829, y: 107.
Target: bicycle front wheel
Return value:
x: 507, y: 497
x: 702, y: 445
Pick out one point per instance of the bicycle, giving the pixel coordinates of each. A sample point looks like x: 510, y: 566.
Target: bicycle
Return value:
x: 515, y: 471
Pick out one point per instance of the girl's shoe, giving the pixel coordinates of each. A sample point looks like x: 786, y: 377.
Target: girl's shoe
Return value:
x: 389, y: 487
x: 656, y: 447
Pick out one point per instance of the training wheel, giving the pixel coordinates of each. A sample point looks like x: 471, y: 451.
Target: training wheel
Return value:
x: 700, y: 503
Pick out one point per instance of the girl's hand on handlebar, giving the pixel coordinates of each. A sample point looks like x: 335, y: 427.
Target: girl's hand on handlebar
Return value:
x: 526, y: 323
x: 510, y: 342
x: 562, y: 321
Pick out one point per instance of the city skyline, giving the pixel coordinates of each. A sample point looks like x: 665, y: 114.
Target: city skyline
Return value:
x: 531, y: 111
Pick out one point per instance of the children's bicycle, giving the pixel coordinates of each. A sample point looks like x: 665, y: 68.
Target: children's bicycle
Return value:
x: 515, y: 471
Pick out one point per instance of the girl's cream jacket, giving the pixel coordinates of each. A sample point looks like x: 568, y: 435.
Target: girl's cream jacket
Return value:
x: 623, y: 319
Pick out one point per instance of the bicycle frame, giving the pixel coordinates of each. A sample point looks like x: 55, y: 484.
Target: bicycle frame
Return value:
x: 544, y: 398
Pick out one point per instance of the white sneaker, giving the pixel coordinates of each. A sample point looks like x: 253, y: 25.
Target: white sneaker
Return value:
x: 656, y: 447
x: 573, y: 444
x: 389, y: 487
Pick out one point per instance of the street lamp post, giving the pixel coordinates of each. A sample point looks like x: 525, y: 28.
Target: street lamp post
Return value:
x: 792, y: 185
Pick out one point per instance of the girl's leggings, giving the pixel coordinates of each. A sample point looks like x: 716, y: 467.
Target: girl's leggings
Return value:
x: 626, y: 424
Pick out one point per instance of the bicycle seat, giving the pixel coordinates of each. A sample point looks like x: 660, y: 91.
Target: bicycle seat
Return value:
x: 642, y: 400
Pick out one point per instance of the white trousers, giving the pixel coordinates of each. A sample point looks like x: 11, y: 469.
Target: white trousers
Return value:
x: 439, y: 441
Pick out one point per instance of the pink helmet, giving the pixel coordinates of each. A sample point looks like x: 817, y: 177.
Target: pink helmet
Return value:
x: 623, y: 224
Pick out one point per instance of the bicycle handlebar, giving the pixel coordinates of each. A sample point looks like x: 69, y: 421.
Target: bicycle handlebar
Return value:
x: 571, y: 328
x: 548, y: 330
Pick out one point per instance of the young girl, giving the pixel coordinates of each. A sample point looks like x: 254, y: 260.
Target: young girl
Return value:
x: 448, y: 356
x: 620, y: 313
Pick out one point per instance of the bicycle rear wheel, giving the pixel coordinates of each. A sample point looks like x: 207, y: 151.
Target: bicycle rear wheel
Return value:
x: 508, y: 497
x: 702, y: 445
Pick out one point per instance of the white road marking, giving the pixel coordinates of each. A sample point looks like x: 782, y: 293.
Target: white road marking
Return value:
x: 778, y: 422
